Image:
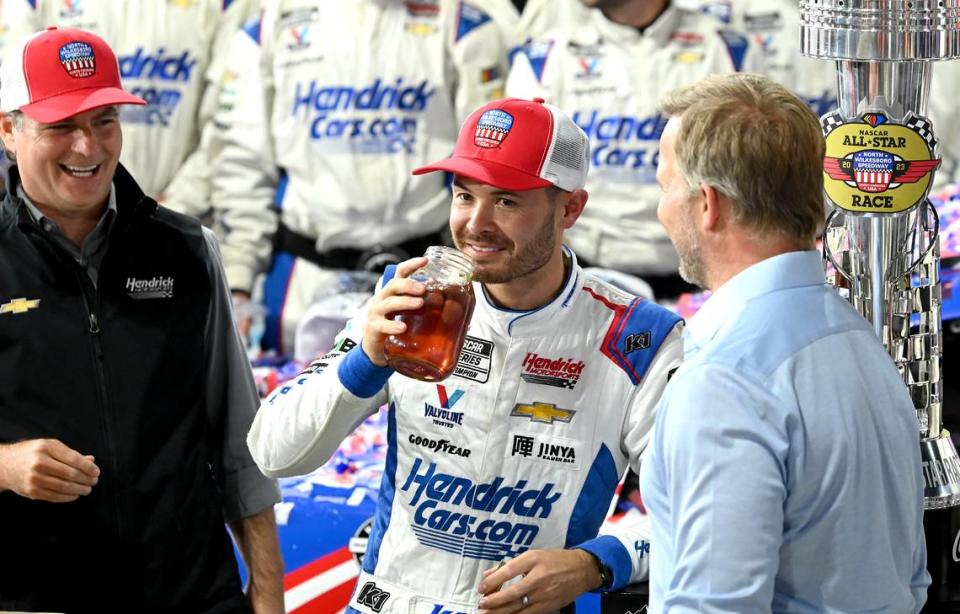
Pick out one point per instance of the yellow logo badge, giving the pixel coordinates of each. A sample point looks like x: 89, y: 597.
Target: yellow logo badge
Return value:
x: 875, y: 165
x: 19, y: 305
x: 545, y: 413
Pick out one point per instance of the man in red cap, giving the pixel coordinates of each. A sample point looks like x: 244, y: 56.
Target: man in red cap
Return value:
x: 125, y: 392
x: 498, y: 479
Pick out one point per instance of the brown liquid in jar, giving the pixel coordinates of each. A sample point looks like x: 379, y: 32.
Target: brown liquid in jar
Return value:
x: 428, y: 350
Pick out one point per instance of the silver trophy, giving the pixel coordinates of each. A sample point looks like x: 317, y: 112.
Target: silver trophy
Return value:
x: 882, y: 236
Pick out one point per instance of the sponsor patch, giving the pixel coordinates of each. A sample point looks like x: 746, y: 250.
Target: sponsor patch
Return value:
x: 19, y: 305
x: 299, y: 37
x: 474, y: 361
x: 372, y: 597
x: 636, y: 341
x: 78, y: 60
x: 422, y: 8
x: 550, y: 450
x: 441, y: 507
x: 442, y: 446
x: 557, y: 372
x: 155, y: 287
x: 544, y: 413
x: 492, y: 128
x: 469, y: 19
x: 443, y: 414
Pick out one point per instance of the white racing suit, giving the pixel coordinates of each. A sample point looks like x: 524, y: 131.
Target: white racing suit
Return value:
x: 520, y: 449
x: 170, y: 54
x: 326, y: 109
x: 609, y: 79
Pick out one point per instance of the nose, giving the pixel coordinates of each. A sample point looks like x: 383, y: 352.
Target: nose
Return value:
x: 481, y: 218
x: 84, y: 143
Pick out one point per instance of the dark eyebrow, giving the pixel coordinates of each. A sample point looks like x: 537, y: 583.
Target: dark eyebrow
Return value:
x: 457, y: 184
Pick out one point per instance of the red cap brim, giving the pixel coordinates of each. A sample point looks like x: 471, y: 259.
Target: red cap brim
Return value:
x: 489, y: 173
x: 68, y: 104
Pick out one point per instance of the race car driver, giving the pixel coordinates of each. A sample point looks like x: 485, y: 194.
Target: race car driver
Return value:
x: 170, y: 54
x: 327, y: 108
x: 515, y: 457
x: 607, y: 72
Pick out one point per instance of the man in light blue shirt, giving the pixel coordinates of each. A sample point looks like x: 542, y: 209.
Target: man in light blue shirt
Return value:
x: 784, y: 473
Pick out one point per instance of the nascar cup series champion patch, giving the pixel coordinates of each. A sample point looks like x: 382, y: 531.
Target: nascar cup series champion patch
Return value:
x: 875, y: 165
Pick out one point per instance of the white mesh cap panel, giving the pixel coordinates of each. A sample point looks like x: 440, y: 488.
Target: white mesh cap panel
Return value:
x: 568, y: 159
x: 13, y: 82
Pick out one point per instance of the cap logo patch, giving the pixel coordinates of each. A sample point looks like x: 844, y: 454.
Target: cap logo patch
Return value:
x: 78, y: 60
x: 493, y: 127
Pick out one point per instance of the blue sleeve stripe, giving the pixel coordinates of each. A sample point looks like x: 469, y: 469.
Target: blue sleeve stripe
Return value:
x: 611, y: 553
x: 281, y: 192
x: 360, y: 376
x: 252, y: 28
x: 635, y: 334
x: 388, y: 487
x: 591, y: 506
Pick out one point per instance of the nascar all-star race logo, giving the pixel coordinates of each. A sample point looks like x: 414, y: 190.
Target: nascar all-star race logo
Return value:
x: 78, y: 60
x: 494, y: 126
x: 875, y: 165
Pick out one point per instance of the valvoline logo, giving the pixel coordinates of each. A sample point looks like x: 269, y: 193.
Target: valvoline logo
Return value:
x: 448, y: 401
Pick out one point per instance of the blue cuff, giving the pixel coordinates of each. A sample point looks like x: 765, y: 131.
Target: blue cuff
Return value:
x: 611, y: 553
x: 360, y: 376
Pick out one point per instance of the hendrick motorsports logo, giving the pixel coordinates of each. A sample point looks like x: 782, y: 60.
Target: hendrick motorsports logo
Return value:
x: 874, y: 165
x: 482, y: 536
x: 155, y: 287
x: 559, y: 372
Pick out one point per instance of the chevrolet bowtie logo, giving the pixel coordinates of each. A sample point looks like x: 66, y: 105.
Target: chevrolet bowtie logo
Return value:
x: 547, y: 413
x: 19, y: 305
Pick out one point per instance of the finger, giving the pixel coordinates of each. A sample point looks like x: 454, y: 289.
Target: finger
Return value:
x: 503, y: 573
x: 395, y: 304
x: 405, y: 268
x: 42, y: 494
x: 401, y: 287
x: 512, y: 594
x: 60, y: 486
x: 510, y: 608
x: 72, y: 459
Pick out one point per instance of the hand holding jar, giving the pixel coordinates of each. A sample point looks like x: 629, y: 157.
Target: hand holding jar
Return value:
x: 418, y: 321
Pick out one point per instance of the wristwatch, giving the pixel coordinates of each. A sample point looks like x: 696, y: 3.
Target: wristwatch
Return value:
x: 606, y: 576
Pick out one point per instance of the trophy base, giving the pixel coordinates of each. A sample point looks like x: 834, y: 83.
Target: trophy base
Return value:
x: 941, y: 472
x: 942, y: 530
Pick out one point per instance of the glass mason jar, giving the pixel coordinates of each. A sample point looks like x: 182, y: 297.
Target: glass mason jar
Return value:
x: 428, y: 350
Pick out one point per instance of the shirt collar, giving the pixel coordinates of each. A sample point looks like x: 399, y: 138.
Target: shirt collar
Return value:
x: 660, y: 30
x: 47, y: 224
x: 789, y: 270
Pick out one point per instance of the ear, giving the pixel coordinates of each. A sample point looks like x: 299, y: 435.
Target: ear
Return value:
x: 573, y: 207
x: 713, y: 206
x: 6, y: 132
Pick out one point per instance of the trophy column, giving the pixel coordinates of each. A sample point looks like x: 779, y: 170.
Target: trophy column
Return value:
x: 882, y: 236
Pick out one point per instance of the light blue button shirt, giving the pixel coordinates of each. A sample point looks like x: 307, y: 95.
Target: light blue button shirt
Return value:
x: 784, y: 473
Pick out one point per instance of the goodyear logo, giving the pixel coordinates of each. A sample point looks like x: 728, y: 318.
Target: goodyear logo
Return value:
x: 544, y: 413
x: 19, y: 305
x: 875, y: 165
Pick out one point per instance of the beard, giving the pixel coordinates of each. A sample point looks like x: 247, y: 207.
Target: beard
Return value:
x: 521, y: 262
x: 692, y: 268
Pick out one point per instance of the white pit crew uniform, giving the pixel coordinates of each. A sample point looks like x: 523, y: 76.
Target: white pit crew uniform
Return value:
x: 609, y: 78
x: 327, y: 108
x: 520, y: 449
x: 170, y: 54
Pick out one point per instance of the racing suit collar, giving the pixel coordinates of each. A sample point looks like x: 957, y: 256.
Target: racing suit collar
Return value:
x: 514, y: 323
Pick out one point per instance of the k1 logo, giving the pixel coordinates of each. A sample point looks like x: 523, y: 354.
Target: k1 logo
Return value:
x: 372, y: 597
